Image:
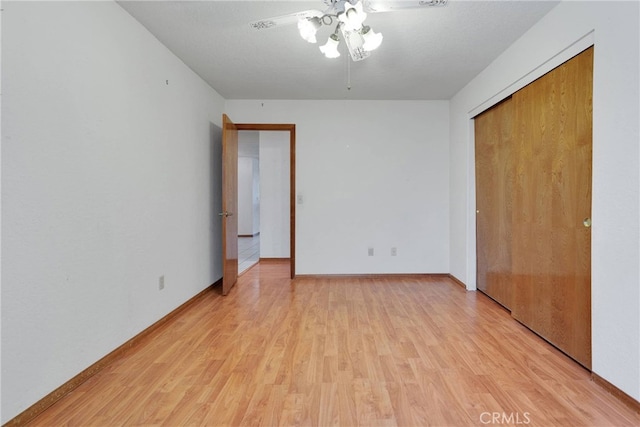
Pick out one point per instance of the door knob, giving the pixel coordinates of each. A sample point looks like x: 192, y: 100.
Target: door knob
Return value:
x: 225, y: 214
x: 587, y: 222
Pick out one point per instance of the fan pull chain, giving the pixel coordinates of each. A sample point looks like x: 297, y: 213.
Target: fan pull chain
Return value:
x: 348, y: 73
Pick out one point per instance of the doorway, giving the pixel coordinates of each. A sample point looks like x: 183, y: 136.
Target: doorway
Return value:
x: 249, y: 197
x: 290, y: 129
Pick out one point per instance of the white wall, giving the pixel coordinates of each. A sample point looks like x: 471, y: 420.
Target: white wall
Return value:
x: 274, y: 195
x: 616, y: 185
x: 248, y: 183
x: 110, y: 178
x: 256, y: 197
x: 371, y: 174
x: 248, y: 196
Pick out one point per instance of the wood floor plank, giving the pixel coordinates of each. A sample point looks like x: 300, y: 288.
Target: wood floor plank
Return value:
x: 340, y: 352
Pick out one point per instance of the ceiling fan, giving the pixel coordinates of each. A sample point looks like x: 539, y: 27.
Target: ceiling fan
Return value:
x: 348, y: 16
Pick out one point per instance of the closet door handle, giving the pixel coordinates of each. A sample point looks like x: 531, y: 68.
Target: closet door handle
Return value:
x: 587, y: 222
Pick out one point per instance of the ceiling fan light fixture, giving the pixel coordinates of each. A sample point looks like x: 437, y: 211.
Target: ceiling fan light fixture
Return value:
x: 349, y: 16
x: 308, y: 28
x: 372, y: 40
x: 353, y: 16
x: 330, y: 49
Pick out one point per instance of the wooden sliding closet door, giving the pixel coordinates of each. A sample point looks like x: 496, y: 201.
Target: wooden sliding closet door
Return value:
x: 551, y: 245
x: 494, y: 187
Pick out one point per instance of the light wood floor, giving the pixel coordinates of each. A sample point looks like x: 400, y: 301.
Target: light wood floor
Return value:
x: 321, y: 352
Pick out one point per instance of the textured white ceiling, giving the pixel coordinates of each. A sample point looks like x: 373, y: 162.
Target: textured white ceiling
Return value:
x: 426, y: 54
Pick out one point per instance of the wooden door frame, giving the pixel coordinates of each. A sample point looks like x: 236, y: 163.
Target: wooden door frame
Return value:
x: 291, y: 128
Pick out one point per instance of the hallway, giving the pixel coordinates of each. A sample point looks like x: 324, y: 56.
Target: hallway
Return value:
x: 248, y: 252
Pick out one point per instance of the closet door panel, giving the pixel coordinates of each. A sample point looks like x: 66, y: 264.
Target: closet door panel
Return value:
x: 551, y: 249
x: 494, y: 178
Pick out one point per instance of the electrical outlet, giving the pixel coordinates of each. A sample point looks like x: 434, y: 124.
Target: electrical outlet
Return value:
x: 394, y: 251
x: 370, y: 251
x: 161, y: 283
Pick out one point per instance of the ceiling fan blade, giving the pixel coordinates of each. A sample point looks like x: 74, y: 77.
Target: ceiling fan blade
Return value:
x: 291, y: 18
x: 375, y: 6
x: 354, y: 43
